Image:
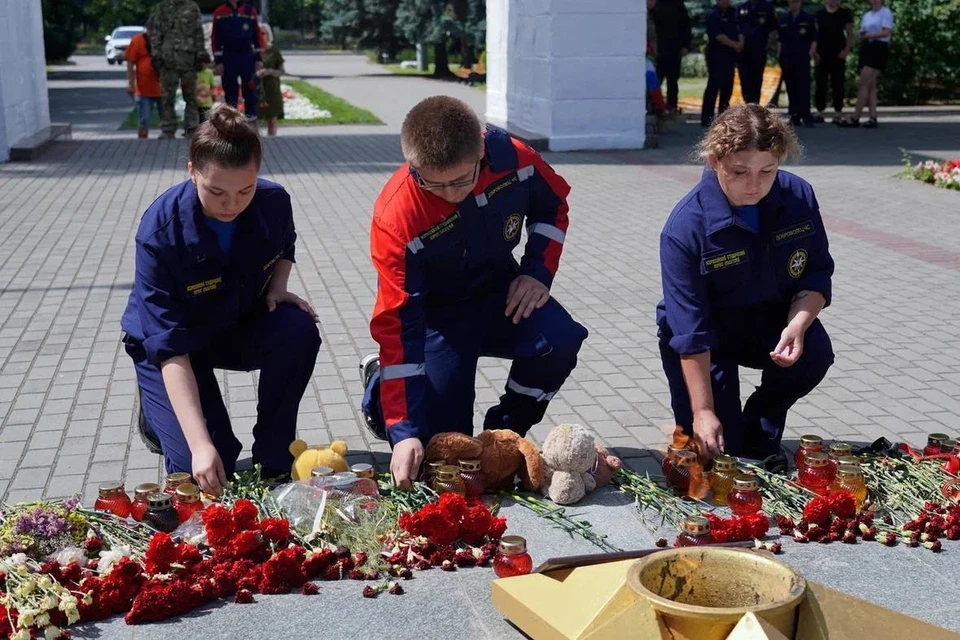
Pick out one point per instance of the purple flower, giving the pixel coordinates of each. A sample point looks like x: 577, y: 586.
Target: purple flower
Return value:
x: 70, y: 503
x: 41, y: 522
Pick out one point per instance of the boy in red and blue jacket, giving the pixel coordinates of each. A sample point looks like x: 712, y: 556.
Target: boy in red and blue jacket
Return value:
x: 450, y: 290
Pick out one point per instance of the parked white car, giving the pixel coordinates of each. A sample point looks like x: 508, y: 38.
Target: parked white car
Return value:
x: 118, y: 41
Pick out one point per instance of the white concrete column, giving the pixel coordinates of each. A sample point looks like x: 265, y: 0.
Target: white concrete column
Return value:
x: 24, y: 107
x: 569, y: 71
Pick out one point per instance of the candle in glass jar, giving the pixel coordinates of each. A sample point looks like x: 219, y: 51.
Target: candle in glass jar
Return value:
x: 473, y: 479
x: 808, y: 444
x: 160, y: 513
x: 671, y: 456
x: 850, y: 478
x: 694, y: 531
x: 721, y: 479
x: 512, y: 558
x: 113, y: 498
x: 448, y: 480
x: 935, y: 444
x: 678, y: 475
x: 187, y: 501
x: 139, y: 507
x: 366, y: 479
x: 745, y: 497
x: 173, y: 481
x: 816, y: 473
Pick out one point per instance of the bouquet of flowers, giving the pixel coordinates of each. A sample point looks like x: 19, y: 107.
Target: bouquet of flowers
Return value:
x: 41, y: 529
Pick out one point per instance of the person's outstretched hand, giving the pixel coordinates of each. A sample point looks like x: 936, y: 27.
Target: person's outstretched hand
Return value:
x: 526, y: 295
x: 708, y: 430
x: 208, y: 469
x: 405, y: 462
x: 790, y: 347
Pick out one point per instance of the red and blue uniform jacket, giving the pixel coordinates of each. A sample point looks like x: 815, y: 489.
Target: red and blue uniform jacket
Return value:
x: 431, y: 253
x: 236, y: 32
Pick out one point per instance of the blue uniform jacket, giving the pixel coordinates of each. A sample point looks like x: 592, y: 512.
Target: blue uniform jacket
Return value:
x: 757, y: 20
x: 236, y: 32
x: 715, y: 270
x: 186, y: 292
x: 797, y: 34
x: 722, y: 22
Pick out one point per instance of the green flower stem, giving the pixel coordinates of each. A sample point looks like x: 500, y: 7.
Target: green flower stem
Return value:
x: 650, y: 495
x: 781, y: 496
x: 558, y: 516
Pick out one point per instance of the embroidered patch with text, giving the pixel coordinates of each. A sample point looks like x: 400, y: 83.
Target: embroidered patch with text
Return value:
x: 723, y: 260
x: 795, y: 232
x: 205, y: 286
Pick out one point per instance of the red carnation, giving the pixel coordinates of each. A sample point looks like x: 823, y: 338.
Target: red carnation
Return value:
x: 817, y: 511
x: 369, y: 592
x: 93, y: 544
x: 245, y: 543
x: 161, y: 553
x: 310, y: 589
x: 71, y: 573
x: 243, y: 597
x: 219, y: 525
x: 317, y: 563
x: 497, y: 527
x: 276, y: 530
x: 245, y: 515
x: 359, y: 558
x: 842, y: 504
x: 465, y: 558
x: 756, y: 525
x: 453, y: 504
x: 396, y: 589
x: 475, y: 524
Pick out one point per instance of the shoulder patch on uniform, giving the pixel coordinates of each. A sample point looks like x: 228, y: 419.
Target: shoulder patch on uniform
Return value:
x: 797, y: 263
x: 716, y: 260
x: 794, y: 232
x: 440, y: 228
x: 503, y: 183
x: 512, y: 226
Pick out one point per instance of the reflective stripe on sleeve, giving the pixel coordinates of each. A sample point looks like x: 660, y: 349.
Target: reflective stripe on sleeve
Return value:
x: 395, y: 371
x: 547, y: 230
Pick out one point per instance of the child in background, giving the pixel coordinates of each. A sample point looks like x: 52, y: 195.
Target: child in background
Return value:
x: 271, y: 98
x: 204, y: 92
x: 142, y: 79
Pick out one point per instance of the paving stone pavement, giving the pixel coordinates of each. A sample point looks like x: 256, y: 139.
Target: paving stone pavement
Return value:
x: 67, y: 223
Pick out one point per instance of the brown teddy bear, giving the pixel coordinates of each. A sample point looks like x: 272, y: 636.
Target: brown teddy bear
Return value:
x: 503, y: 455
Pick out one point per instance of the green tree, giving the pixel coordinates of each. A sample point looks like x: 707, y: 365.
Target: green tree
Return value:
x: 440, y: 24
x: 376, y: 28
x: 340, y: 20
x: 924, y: 52
x: 62, y: 20
x: 106, y: 15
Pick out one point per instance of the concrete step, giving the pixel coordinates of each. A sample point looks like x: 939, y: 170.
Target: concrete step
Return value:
x: 30, y: 147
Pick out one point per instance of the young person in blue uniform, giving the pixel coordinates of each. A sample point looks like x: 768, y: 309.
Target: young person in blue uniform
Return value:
x: 449, y: 289
x: 757, y: 20
x: 798, y: 44
x: 746, y: 270
x: 724, y: 43
x: 213, y: 260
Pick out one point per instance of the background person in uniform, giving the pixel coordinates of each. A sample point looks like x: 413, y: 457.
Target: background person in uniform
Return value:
x: 672, y: 25
x: 450, y: 291
x: 875, y: 29
x: 724, y: 42
x: 237, y: 42
x: 757, y: 20
x: 178, y: 53
x: 834, y: 41
x: 798, y: 43
x: 746, y: 271
x: 213, y: 259
x: 142, y: 80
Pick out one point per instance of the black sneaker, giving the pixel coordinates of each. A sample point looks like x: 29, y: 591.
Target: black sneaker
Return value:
x: 369, y: 366
x: 148, y: 437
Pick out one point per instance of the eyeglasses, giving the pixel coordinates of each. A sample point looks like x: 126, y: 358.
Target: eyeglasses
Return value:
x: 439, y: 186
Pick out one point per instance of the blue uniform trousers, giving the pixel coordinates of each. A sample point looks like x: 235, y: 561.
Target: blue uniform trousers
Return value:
x: 283, y: 345
x: 543, y: 348
x: 796, y: 77
x: 755, y: 429
x: 720, y: 70
x: 753, y: 60
x: 242, y: 69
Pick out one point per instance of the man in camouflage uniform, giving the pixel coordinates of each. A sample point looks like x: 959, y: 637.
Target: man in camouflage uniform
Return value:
x: 179, y: 51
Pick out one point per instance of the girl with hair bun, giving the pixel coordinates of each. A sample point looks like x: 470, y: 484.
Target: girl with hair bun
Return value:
x: 746, y: 270
x: 213, y: 260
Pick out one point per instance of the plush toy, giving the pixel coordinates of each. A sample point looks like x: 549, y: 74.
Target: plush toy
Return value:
x: 575, y: 464
x: 306, y: 458
x: 503, y: 454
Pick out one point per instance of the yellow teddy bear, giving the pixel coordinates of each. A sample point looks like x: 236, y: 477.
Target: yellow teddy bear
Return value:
x: 306, y: 458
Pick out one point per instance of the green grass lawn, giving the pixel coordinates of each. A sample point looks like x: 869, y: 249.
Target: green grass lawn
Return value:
x: 690, y: 87
x: 341, y: 111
